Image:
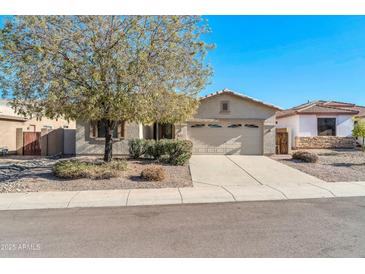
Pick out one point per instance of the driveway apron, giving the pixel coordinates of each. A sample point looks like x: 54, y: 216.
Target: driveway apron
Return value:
x: 272, y: 173
x: 218, y: 170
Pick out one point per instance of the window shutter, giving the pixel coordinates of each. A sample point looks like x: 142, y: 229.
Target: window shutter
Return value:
x: 121, y: 129
x: 93, y: 129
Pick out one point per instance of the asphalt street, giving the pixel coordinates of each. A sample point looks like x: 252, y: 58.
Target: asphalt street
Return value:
x: 333, y: 227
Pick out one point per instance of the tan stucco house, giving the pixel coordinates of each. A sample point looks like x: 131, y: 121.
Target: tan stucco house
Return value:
x: 12, y: 127
x: 226, y: 122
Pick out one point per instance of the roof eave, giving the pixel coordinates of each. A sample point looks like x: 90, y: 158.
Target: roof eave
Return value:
x: 13, y: 118
x: 225, y: 91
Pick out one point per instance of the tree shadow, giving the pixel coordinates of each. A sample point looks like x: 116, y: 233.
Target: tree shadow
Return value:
x: 347, y: 164
x: 328, y: 154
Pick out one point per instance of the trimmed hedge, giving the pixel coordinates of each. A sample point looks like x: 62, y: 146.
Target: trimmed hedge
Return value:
x: 174, y: 152
x: 305, y: 156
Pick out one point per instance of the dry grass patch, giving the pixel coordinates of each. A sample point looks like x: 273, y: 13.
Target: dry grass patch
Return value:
x: 76, y: 169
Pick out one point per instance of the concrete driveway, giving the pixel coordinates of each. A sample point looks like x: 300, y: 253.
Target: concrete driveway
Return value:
x: 239, y: 170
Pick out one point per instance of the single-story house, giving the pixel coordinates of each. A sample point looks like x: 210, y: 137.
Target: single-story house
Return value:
x: 320, y: 124
x: 226, y: 122
x: 13, y: 129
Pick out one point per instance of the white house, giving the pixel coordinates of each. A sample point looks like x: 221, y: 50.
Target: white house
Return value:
x: 320, y: 124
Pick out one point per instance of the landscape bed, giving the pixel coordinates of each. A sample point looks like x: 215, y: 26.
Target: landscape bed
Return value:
x: 332, y: 165
x: 33, y: 175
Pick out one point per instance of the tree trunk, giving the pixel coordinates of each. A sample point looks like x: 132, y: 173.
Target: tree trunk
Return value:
x: 108, y: 151
x: 157, y: 133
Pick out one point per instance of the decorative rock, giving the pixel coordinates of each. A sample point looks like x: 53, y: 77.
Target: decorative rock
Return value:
x: 319, y: 142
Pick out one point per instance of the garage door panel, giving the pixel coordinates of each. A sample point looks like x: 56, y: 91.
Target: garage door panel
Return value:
x: 225, y: 140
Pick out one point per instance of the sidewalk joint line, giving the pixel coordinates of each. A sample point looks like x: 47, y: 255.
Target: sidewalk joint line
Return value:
x: 205, y: 184
x: 234, y: 198
x: 126, y: 202
x: 69, y: 202
x: 244, y: 170
x: 278, y: 190
x: 181, y: 197
x: 323, y: 189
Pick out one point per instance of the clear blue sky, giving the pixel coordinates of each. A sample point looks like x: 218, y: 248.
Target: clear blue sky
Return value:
x: 287, y: 60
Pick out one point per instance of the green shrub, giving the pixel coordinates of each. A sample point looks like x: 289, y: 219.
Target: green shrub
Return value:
x: 178, y: 152
x: 160, y: 148
x: 173, y: 152
x: 70, y: 169
x: 75, y: 169
x: 155, y: 149
x: 153, y: 173
x: 305, y: 156
x: 150, y: 149
x: 137, y: 147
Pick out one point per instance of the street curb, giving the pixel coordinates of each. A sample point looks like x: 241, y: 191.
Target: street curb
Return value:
x: 176, y: 196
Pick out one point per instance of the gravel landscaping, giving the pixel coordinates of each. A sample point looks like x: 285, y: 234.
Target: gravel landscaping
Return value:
x: 332, y: 166
x: 35, y: 174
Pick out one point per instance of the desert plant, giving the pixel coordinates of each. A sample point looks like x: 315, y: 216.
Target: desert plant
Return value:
x: 305, y: 156
x: 74, y: 169
x: 137, y: 147
x: 70, y: 169
x: 153, y: 173
x: 160, y: 148
x: 178, y: 152
x: 150, y: 148
x: 359, y: 131
x: 115, y: 164
x: 174, y: 152
x: 155, y: 149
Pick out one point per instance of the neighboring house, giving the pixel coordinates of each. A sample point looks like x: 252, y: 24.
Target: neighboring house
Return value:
x: 226, y: 122
x: 320, y: 124
x: 12, y: 127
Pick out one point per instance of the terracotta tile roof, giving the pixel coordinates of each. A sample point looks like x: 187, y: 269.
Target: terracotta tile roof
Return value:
x: 338, y: 104
x: 360, y: 109
x: 323, y: 107
x: 227, y: 91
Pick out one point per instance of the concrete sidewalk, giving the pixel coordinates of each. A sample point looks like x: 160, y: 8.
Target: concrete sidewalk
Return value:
x: 198, y: 194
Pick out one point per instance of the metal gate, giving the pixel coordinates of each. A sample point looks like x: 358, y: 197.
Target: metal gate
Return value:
x: 31, y: 143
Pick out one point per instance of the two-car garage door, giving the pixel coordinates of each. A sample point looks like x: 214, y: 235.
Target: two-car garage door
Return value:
x: 226, y: 137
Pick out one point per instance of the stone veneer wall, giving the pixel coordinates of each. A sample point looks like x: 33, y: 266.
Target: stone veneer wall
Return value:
x: 324, y: 142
